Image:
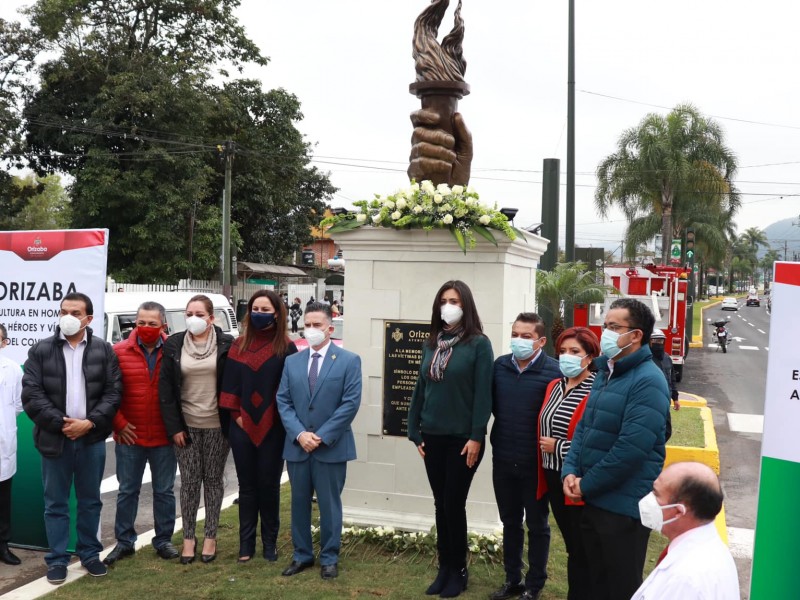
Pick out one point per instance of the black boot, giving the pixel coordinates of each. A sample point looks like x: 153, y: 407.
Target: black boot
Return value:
x: 456, y: 583
x: 438, y: 584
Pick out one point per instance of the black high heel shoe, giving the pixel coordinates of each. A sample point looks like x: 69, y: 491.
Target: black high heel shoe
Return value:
x: 185, y: 560
x: 207, y: 558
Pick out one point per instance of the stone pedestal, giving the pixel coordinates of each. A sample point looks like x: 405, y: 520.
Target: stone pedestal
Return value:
x: 394, y: 276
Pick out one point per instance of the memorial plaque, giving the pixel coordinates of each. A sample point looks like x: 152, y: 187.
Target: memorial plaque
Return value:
x: 402, y: 354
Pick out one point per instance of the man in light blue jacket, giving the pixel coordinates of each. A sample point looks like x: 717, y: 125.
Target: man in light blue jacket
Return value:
x: 318, y: 398
x: 618, y: 450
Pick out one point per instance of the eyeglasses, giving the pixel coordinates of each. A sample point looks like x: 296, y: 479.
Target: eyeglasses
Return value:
x: 615, y: 328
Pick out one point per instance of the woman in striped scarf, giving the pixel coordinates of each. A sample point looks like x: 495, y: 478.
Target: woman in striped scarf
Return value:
x: 447, y: 419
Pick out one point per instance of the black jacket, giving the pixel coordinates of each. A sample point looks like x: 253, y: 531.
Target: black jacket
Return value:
x: 44, y: 390
x: 170, y: 381
x: 516, y: 401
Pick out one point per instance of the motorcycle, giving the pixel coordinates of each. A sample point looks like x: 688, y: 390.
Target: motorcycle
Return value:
x: 721, y: 333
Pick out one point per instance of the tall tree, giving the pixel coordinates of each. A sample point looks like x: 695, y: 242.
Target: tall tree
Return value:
x: 667, y: 164
x: 133, y: 102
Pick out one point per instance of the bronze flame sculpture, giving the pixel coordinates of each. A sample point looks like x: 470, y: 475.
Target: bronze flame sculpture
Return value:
x: 441, y: 145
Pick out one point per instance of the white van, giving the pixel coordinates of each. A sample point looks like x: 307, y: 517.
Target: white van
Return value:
x: 121, y: 307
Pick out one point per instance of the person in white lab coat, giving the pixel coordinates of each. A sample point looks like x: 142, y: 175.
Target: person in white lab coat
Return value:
x: 696, y: 565
x: 10, y: 407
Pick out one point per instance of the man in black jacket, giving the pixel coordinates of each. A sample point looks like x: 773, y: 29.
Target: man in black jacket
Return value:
x: 71, y: 390
x: 518, y: 388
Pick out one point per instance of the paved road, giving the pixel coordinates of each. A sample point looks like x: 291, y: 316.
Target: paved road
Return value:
x: 734, y: 385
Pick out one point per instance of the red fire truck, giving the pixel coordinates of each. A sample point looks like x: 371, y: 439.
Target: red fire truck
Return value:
x: 663, y: 289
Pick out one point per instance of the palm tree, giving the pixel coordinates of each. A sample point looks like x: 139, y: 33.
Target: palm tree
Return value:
x: 663, y: 168
x: 753, y: 238
x: 567, y: 284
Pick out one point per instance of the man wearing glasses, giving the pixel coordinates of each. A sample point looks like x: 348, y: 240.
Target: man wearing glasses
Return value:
x: 618, y: 450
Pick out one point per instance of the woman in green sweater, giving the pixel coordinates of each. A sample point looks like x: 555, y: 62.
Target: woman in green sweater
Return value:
x: 450, y: 407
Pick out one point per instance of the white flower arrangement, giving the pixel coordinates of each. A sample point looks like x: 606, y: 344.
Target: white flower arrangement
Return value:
x: 413, y: 544
x: 423, y: 206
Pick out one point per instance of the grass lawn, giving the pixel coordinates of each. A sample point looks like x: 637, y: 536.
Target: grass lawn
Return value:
x: 687, y: 428
x: 365, y: 572
x: 698, y: 323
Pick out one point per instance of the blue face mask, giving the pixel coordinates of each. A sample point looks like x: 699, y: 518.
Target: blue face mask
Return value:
x: 522, y: 349
x: 261, y: 320
x: 608, y: 343
x: 571, y: 365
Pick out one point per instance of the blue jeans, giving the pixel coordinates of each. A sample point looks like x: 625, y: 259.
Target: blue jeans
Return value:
x: 82, y: 464
x: 131, y: 461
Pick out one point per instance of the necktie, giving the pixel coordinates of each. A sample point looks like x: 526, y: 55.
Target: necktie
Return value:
x: 313, y: 372
x: 662, y: 555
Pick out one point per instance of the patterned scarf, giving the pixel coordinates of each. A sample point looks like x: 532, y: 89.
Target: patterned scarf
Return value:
x: 444, y: 350
x: 199, y: 353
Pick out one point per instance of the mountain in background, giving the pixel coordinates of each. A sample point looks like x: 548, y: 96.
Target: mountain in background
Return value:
x: 784, y: 236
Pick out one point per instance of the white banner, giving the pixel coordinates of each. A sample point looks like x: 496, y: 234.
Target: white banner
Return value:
x: 39, y: 268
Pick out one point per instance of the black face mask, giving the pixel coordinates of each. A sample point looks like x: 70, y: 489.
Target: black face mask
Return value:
x: 657, y: 350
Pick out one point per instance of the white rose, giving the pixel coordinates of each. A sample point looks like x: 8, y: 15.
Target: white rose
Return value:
x: 447, y: 219
x: 443, y: 189
x: 361, y: 218
x: 438, y: 198
x: 458, y: 189
x: 469, y: 202
x: 396, y: 215
x: 401, y: 204
x: 414, y: 188
x: 417, y: 209
x: 446, y: 207
x: 389, y: 204
x: 485, y: 219
x: 427, y: 187
x: 376, y: 218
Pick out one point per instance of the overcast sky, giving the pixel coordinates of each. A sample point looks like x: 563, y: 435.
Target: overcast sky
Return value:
x: 349, y: 62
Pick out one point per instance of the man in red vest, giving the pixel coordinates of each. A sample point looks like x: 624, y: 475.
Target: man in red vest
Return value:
x: 141, y: 438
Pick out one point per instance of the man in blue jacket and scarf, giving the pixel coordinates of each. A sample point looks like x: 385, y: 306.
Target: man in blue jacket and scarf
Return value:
x: 618, y: 450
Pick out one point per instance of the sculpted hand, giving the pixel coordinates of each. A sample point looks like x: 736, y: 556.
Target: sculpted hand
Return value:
x: 75, y: 428
x: 472, y: 449
x: 127, y: 436
x: 436, y: 154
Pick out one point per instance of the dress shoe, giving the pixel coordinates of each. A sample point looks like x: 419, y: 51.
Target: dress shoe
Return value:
x: 456, y: 583
x: 296, y: 567
x: 207, y: 558
x: 96, y: 568
x: 508, y: 590
x: 118, y: 553
x: 435, y: 588
x: 329, y: 571
x: 7, y: 556
x: 167, y: 551
x: 185, y: 560
x: 531, y: 595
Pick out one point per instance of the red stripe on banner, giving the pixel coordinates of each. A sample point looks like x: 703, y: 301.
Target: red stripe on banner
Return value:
x: 786, y: 272
x: 44, y: 245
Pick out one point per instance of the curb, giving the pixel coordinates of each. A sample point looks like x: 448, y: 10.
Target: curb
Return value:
x: 697, y: 340
x: 708, y: 455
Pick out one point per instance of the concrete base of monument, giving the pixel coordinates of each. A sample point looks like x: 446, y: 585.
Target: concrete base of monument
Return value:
x: 392, y: 278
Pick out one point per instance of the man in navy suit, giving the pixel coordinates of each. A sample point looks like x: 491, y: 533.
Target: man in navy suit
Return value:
x: 318, y: 398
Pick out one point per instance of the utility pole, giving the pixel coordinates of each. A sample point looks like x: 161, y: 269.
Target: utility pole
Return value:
x: 226, y: 222
x: 569, y: 239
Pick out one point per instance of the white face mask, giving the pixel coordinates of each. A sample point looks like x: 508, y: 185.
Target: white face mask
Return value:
x: 69, y: 325
x: 314, y: 336
x: 451, y: 313
x: 196, y: 325
x: 651, y: 512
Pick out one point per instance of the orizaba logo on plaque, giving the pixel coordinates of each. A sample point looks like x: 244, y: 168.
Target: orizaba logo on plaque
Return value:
x: 397, y: 335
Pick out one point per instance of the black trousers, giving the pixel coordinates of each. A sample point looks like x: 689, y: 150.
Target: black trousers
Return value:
x: 515, y: 492
x: 5, y: 510
x: 617, y: 547
x: 450, y: 479
x: 568, y: 518
x: 259, y: 470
